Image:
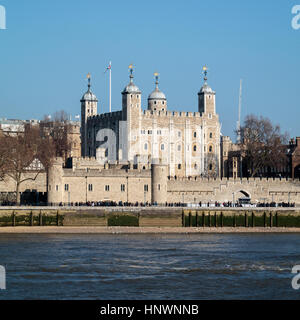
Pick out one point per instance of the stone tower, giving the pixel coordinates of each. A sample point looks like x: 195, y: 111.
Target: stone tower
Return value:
x: 89, y: 106
x: 131, y: 112
x: 159, y: 183
x: 55, y: 186
x: 157, y: 100
x: 206, y: 98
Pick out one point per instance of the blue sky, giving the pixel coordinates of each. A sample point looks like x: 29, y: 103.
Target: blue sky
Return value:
x: 50, y: 46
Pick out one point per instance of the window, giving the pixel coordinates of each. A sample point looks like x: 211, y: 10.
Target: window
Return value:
x: 179, y: 147
x: 107, y: 188
x: 163, y: 102
x: 195, y: 134
x: 210, y: 135
x: 66, y: 187
x: 90, y: 187
x: 146, y: 188
x: 159, y: 132
x: 158, y: 187
x: 122, y: 187
x: 210, y: 149
x: 162, y: 147
x: 154, y: 102
x: 143, y: 131
x: 195, y: 148
x: 106, y: 153
x: 56, y: 188
x: 195, y: 166
x: 146, y: 146
x: 179, y: 167
x: 210, y: 167
x: 149, y: 131
x: 179, y: 134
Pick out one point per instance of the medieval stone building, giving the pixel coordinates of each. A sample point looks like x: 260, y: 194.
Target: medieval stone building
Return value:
x: 188, y: 142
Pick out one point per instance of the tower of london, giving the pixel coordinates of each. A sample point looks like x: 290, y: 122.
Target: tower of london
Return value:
x: 187, y: 142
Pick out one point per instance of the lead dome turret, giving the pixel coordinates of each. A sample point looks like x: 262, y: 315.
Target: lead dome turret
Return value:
x: 157, y: 100
x: 131, y: 87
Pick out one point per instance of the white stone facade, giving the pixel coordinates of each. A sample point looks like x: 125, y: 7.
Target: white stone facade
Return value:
x: 188, y: 142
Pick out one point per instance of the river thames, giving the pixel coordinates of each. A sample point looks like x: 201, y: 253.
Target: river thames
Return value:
x: 133, y: 267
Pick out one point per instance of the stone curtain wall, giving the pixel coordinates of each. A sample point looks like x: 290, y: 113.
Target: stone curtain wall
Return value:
x: 195, y: 190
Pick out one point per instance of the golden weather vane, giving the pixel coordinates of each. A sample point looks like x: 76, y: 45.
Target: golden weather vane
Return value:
x: 205, y: 71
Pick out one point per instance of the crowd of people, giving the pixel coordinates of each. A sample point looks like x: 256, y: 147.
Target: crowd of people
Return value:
x: 176, y: 204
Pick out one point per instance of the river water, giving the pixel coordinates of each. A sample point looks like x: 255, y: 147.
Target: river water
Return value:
x: 229, y: 266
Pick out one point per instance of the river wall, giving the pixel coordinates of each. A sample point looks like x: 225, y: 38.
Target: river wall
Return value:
x: 149, y: 217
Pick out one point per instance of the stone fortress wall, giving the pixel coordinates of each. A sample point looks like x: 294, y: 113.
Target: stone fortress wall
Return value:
x: 87, y: 180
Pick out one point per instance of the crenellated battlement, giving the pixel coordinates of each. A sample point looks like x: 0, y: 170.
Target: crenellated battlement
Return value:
x: 103, y: 116
x: 235, y: 181
x: 171, y: 114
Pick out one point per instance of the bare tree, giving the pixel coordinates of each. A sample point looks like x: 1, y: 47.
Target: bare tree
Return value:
x: 3, y: 155
x: 58, y: 127
x: 21, y: 150
x: 263, y: 145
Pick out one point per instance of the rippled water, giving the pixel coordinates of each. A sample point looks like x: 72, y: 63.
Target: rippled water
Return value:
x: 200, y: 266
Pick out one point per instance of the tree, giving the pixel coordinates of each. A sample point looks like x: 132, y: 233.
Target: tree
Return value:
x: 58, y: 128
x: 263, y: 145
x: 21, y: 149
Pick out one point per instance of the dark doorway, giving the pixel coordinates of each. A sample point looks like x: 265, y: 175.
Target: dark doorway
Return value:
x: 297, y: 172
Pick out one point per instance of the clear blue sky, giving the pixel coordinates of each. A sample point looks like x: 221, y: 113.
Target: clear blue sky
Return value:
x: 50, y: 46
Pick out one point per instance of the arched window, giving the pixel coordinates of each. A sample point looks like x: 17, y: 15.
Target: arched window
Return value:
x: 162, y: 147
x: 146, y: 146
x: 179, y: 147
x: 195, y: 134
x: 195, y: 148
x: 210, y: 149
x: 211, y: 135
x: 210, y: 167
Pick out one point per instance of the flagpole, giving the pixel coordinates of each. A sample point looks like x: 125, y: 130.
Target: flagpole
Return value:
x: 110, y: 87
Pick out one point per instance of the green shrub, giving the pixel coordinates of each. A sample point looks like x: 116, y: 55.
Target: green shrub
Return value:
x: 123, y: 221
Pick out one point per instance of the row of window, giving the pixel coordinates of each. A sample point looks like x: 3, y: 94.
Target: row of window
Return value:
x: 106, y: 188
x: 162, y: 148
x: 179, y: 133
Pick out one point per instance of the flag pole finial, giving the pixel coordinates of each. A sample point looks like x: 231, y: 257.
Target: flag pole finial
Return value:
x: 156, y: 75
x: 89, y: 80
